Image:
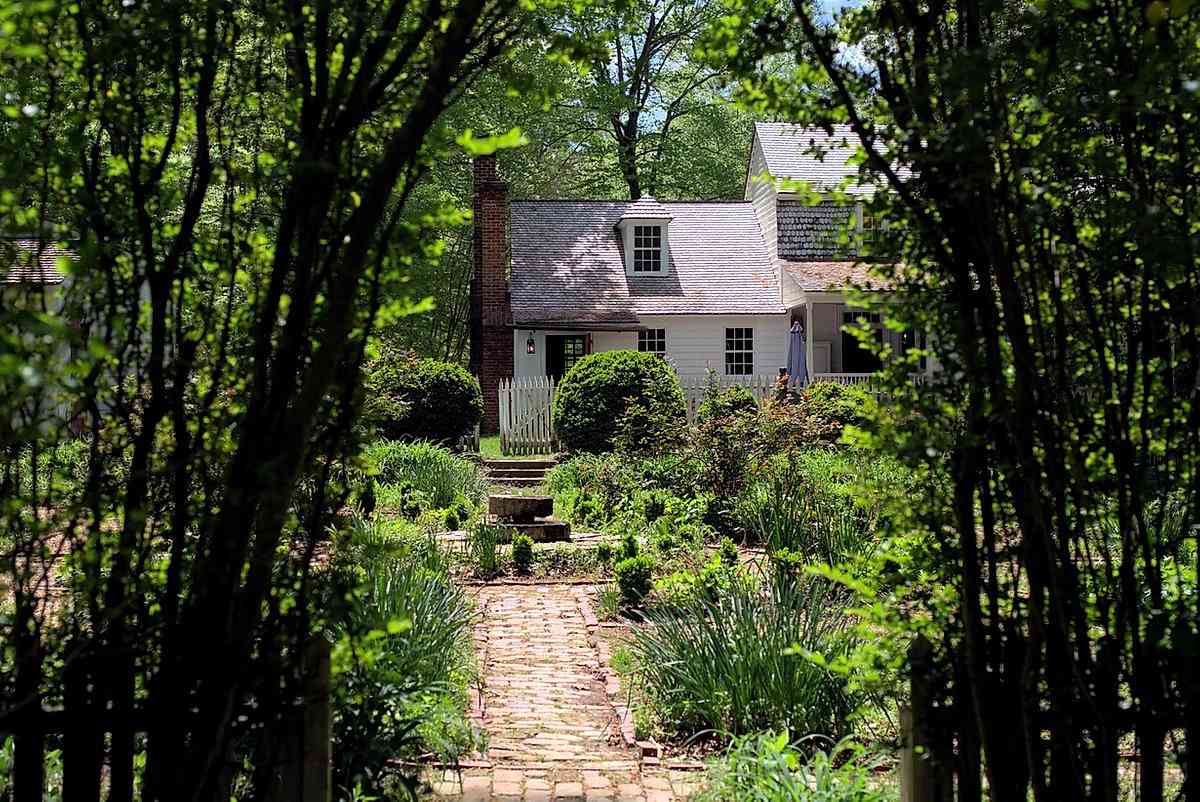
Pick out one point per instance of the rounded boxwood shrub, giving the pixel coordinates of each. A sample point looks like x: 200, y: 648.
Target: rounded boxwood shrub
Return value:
x: 598, y: 392
x: 634, y: 576
x: 406, y: 398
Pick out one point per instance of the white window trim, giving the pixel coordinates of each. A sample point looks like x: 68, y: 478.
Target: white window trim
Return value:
x: 663, y: 352
x: 725, y: 351
x: 628, y: 226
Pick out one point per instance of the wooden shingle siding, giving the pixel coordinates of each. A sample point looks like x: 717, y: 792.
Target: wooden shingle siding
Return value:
x: 811, y: 232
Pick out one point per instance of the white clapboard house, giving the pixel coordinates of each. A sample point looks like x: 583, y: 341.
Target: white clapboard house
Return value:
x: 709, y: 285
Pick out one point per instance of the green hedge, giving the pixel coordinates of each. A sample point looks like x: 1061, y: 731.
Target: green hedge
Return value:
x: 421, y: 399
x: 600, y: 391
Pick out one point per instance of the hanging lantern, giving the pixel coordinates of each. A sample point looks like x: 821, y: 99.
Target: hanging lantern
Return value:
x: 530, y: 346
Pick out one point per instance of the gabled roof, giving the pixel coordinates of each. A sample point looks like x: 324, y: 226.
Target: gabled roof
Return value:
x: 568, y: 264
x: 808, y: 153
x: 25, y: 260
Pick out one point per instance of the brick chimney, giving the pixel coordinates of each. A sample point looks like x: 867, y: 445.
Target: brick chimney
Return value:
x: 491, y: 307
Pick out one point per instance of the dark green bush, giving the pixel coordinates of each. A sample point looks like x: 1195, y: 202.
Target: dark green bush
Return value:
x: 604, y: 552
x: 598, y: 392
x: 522, y: 553
x: 835, y: 406
x: 726, y: 403
x: 634, y: 577
x: 406, y: 398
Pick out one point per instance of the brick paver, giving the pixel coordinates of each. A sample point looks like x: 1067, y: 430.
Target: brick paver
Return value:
x: 553, y: 733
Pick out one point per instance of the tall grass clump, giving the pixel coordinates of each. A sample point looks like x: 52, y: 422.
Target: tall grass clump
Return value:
x: 815, y: 505
x: 404, y: 659
x: 769, y: 768
x: 429, y: 469
x: 483, y: 544
x: 737, y: 662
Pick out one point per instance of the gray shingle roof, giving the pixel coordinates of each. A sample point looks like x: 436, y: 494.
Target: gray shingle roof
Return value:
x: 568, y: 264
x: 835, y: 276
x: 30, y: 261
x: 646, y: 207
x: 806, y: 153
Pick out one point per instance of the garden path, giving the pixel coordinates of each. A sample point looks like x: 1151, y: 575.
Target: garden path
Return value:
x: 546, y: 703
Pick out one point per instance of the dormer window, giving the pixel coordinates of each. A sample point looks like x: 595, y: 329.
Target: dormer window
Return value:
x: 645, y: 239
x: 647, y: 249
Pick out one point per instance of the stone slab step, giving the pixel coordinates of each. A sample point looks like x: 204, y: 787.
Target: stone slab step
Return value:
x: 542, y: 464
x: 533, y: 473
x: 517, y: 481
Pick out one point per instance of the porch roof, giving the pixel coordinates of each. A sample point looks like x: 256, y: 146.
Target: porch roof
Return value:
x: 833, y: 276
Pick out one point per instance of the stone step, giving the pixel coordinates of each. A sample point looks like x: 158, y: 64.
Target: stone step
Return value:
x: 541, y: 464
x: 533, y: 473
x: 517, y: 481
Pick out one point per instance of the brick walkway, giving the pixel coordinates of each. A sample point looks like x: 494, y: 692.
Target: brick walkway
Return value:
x: 553, y: 733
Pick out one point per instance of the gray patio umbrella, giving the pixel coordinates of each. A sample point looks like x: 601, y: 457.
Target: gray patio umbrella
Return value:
x: 797, y: 361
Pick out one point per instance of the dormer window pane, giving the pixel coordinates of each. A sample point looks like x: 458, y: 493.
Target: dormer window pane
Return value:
x: 647, y: 249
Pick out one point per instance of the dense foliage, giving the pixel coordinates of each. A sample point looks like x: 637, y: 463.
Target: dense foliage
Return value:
x: 770, y: 768
x: 602, y: 389
x: 406, y: 398
x: 1036, y: 165
x: 404, y: 658
x: 424, y: 473
x: 237, y: 190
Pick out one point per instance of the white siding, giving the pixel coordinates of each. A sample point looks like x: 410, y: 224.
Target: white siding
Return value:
x: 762, y: 195
x: 614, y: 341
x: 526, y: 364
x: 696, y: 343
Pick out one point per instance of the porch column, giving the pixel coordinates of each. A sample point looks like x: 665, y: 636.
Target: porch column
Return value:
x: 808, y: 339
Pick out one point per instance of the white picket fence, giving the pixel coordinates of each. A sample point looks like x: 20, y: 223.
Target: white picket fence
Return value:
x: 694, y: 387
x: 526, y: 404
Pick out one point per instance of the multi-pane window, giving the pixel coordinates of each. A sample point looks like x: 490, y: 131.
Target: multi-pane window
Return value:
x: 573, y: 351
x: 739, y: 352
x: 869, y: 227
x: 647, y: 249
x: 653, y: 341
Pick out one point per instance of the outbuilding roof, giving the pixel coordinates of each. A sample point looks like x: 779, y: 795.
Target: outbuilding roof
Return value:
x: 31, y: 261
x: 568, y: 264
x: 808, y: 153
x: 832, y: 276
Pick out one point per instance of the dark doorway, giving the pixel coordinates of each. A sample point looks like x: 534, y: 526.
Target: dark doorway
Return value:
x: 856, y: 358
x: 563, y: 351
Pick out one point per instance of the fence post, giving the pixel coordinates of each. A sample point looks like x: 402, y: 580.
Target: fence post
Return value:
x: 299, y: 744
x: 316, y: 782
x: 926, y: 773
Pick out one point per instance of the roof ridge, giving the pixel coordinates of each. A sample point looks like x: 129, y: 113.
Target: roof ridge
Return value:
x: 714, y: 201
